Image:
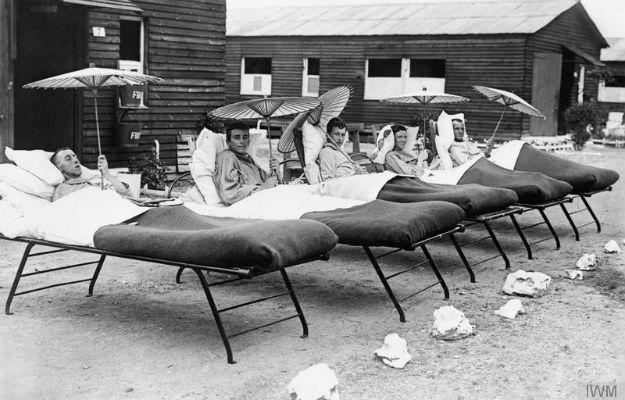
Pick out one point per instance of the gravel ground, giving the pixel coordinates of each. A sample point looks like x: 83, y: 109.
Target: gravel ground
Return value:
x: 142, y: 336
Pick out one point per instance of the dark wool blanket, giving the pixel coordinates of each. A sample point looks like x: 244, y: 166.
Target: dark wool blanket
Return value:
x: 583, y: 178
x: 178, y: 234
x: 530, y: 187
x: 381, y: 223
x: 473, y: 199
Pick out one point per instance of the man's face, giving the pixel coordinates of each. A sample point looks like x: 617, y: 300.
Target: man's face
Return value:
x: 68, y: 163
x: 458, y: 130
x: 338, y: 135
x: 239, y: 141
x: 401, y: 137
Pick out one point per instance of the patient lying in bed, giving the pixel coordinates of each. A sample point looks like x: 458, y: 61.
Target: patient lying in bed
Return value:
x: 67, y: 162
x: 237, y: 176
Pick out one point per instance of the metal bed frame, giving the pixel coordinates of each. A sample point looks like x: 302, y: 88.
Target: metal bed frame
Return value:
x: 511, y: 212
x: 200, y: 270
x: 582, y: 197
x: 428, y: 259
x: 373, y: 258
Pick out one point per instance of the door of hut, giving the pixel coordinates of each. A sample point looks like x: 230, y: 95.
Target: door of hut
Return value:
x: 546, y: 93
x: 44, y: 119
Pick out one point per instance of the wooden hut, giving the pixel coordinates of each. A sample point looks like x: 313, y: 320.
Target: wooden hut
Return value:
x: 182, y: 42
x: 534, y: 48
x: 611, y: 92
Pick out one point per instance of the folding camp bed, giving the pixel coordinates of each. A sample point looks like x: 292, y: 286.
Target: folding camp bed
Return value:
x: 379, y: 223
x: 586, y: 180
x: 535, y: 191
x: 240, y: 249
x: 481, y: 204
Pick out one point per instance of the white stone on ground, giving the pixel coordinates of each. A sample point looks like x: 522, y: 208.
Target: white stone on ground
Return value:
x: 522, y: 283
x: 394, y: 351
x: 611, y: 247
x: 318, y: 382
x: 511, y: 309
x: 450, y: 324
x: 574, y: 274
x: 587, y: 262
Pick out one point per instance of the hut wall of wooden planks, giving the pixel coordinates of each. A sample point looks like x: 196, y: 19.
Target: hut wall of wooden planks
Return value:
x: 184, y: 45
x: 469, y: 61
x: 503, y: 60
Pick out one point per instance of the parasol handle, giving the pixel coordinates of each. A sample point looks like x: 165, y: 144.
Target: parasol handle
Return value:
x: 97, y: 129
x: 273, y: 171
x: 499, y: 122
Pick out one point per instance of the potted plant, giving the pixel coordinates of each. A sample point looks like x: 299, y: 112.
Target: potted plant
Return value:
x: 580, y: 120
x: 152, y: 170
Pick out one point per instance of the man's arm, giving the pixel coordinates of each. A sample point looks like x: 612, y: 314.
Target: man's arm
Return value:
x: 394, y: 163
x: 458, y: 157
x: 120, y: 187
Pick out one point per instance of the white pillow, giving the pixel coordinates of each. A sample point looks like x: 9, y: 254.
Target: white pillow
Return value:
x: 23, y: 203
x: 384, y: 143
x: 24, y: 181
x: 445, y: 137
x: 37, y: 162
x: 313, y: 139
x: 207, y: 146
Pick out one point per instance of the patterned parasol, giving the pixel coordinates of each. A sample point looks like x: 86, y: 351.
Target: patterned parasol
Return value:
x: 333, y: 102
x: 93, y: 78
x: 508, y: 99
x: 266, y: 108
x: 426, y: 97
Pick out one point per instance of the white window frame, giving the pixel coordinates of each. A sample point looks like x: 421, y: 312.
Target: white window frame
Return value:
x: 306, y: 80
x: 247, y: 81
x: 610, y: 94
x: 380, y: 88
x: 134, y: 65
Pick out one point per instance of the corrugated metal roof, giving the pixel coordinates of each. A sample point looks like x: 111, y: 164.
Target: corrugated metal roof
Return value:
x: 419, y: 18
x: 116, y: 4
x: 616, y: 51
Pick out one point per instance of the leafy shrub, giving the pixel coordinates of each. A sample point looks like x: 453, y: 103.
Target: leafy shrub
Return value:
x: 580, y: 120
x: 210, y: 122
x: 152, y: 170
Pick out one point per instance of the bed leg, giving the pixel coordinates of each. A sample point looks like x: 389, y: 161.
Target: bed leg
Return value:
x: 568, y: 217
x: 436, y: 272
x: 16, y: 281
x: 497, y: 244
x: 179, y: 274
x: 462, y: 257
x: 548, y: 223
x: 211, y: 303
x: 592, y: 213
x: 522, y: 236
x: 300, y: 313
x: 389, y: 291
x: 96, y: 273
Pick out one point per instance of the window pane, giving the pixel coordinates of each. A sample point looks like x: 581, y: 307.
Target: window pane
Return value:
x: 313, y: 66
x: 385, y: 68
x: 129, y: 40
x: 313, y: 84
x: 616, y: 81
x: 427, y: 68
x: 257, y: 65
